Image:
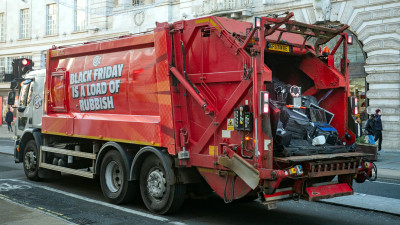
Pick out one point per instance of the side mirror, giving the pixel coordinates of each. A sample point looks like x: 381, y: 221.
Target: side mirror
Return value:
x: 11, y: 98
x: 28, y: 81
x: 21, y: 109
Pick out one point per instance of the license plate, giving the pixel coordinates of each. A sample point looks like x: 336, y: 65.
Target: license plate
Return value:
x: 278, y: 47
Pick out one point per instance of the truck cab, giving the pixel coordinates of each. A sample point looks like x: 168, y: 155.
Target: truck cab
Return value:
x: 30, y: 111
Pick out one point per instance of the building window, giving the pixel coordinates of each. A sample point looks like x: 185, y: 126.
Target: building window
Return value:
x: 80, y: 15
x: 2, y: 68
x: 142, y: 2
x: 51, y: 21
x: 9, y: 67
x: 24, y: 24
x: 137, y: 2
x: 43, y: 60
x: 2, y: 27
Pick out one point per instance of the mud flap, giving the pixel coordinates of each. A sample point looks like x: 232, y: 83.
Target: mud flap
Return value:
x: 328, y: 191
x: 249, y: 174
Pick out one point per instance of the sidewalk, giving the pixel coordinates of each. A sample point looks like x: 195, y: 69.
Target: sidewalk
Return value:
x: 16, y: 214
x: 388, y: 165
x: 4, y: 132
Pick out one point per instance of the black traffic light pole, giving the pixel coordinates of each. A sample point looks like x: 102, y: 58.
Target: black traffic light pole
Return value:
x: 20, y: 68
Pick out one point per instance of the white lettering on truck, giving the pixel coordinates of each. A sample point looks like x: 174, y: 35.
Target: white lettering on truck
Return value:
x: 82, y: 87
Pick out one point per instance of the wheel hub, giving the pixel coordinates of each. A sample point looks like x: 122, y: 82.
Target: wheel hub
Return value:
x: 30, y: 160
x: 113, y: 176
x: 156, y: 183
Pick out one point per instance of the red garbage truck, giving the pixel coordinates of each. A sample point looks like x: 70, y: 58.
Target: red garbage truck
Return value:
x: 210, y: 104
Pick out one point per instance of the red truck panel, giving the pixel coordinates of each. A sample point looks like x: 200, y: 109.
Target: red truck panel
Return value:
x: 114, y: 93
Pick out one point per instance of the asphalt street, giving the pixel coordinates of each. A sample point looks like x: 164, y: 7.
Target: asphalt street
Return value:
x: 80, y: 201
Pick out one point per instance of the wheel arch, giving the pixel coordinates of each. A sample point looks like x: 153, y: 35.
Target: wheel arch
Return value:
x: 29, y: 134
x: 110, y: 146
x: 141, y: 156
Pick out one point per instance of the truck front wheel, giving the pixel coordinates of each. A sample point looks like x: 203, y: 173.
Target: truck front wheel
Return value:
x: 114, y: 179
x: 158, y: 194
x: 31, y: 162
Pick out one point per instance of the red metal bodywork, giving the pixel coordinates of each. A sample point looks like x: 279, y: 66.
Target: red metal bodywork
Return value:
x: 155, y: 105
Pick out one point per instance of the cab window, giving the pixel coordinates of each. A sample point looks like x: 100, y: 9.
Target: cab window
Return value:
x: 24, y: 94
x: 29, y: 99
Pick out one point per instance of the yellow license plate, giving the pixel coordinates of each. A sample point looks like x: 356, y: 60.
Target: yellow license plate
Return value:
x: 278, y: 47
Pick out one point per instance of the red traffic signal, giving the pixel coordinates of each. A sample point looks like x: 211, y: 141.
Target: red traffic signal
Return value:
x: 25, y: 62
x: 21, y: 67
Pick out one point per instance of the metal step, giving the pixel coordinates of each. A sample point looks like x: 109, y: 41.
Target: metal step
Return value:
x: 42, y: 164
x: 68, y: 152
x: 67, y: 170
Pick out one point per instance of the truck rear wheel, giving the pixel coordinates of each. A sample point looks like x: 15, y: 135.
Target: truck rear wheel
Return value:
x: 31, y: 161
x: 114, y: 179
x: 158, y: 194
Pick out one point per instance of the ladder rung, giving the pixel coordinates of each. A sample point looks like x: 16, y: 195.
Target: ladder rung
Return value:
x: 68, y: 152
x: 67, y: 170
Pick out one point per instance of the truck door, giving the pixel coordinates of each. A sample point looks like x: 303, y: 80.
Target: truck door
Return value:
x: 36, y: 104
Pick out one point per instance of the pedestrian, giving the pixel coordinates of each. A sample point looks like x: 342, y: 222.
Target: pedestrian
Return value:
x: 358, y: 127
x: 9, y: 120
x: 370, y: 129
x: 378, y: 128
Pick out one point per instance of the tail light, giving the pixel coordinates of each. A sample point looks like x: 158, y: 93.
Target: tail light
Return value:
x: 349, y: 39
x: 355, y: 106
x: 264, y: 102
x: 257, y: 22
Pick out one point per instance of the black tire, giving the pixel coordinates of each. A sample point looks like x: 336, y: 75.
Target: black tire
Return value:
x: 114, y: 179
x: 165, y: 197
x: 31, y: 161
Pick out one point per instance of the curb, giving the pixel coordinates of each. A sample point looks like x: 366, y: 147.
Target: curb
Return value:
x: 357, y: 207
x: 388, y: 174
x: 6, y: 153
x: 6, y: 138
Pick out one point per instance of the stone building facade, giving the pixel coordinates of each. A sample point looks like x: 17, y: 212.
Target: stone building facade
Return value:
x: 376, y: 23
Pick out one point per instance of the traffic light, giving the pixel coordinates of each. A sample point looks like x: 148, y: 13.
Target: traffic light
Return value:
x: 21, y: 67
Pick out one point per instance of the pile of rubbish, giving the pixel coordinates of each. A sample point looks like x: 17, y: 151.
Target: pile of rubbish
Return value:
x: 302, y: 126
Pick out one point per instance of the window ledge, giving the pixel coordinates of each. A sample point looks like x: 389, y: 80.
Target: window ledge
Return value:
x: 24, y: 39
x: 50, y: 35
x: 80, y: 31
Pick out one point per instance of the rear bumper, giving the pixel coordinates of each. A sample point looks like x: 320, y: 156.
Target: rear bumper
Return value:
x: 314, y: 180
x: 328, y: 191
x: 280, y: 194
x: 311, y: 193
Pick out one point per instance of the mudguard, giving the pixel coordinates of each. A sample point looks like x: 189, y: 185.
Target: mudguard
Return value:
x: 19, y: 145
x: 112, y: 145
x: 142, y: 154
